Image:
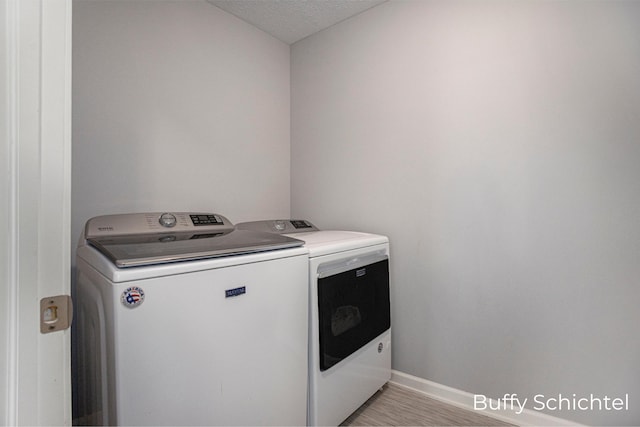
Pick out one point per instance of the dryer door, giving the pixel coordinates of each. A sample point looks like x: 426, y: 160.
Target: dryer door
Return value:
x: 353, y: 307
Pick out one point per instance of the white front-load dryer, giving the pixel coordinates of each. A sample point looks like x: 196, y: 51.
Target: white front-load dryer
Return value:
x: 183, y: 320
x: 349, y: 316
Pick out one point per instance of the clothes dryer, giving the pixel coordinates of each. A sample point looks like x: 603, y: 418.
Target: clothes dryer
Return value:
x: 349, y: 316
x: 183, y: 320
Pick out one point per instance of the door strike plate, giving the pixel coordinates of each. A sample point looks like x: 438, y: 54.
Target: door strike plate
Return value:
x: 55, y: 313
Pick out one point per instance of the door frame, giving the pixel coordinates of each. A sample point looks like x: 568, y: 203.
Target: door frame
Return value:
x: 35, y: 189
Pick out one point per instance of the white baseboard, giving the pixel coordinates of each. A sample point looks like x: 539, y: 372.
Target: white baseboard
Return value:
x: 465, y: 400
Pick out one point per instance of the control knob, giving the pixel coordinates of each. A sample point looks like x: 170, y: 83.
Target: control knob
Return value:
x: 167, y: 220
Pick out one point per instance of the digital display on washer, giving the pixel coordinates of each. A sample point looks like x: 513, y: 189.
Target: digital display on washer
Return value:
x: 206, y: 220
x: 300, y: 224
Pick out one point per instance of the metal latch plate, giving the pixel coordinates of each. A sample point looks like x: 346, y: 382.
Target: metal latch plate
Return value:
x: 55, y: 313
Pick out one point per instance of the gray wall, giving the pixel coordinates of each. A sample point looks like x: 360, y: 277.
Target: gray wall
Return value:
x: 177, y: 105
x: 497, y: 143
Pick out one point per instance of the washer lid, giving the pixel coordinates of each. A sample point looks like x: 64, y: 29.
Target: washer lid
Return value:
x: 132, y: 240
x: 132, y: 251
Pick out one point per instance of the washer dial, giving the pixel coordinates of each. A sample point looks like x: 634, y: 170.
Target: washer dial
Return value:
x: 167, y: 220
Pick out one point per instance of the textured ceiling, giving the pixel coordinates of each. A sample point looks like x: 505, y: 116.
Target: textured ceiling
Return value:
x: 293, y: 20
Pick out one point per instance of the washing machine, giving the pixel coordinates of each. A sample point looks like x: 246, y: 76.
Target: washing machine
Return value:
x: 183, y: 320
x: 349, y: 316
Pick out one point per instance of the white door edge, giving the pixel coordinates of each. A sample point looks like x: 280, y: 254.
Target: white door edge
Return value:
x: 35, y: 170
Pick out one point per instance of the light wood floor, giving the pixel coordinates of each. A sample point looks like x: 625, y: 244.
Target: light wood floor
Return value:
x: 398, y: 406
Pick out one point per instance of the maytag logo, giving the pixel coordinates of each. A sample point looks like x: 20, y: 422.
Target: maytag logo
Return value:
x: 361, y: 272
x: 108, y: 228
x: 235, y: 292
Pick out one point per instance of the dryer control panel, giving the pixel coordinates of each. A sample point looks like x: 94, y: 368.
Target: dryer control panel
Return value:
x: 280, y: 226
x: 156, y: 222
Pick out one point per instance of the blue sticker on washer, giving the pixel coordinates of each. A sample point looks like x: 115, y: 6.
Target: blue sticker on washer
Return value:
x: 132, y: 297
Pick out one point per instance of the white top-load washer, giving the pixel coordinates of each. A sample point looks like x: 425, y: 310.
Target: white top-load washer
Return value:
x: 349, y: 316
x: 183, y: 320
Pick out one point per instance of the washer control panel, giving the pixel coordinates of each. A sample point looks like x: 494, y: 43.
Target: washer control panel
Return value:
x: 156, y: 222
x: 280, y: 226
